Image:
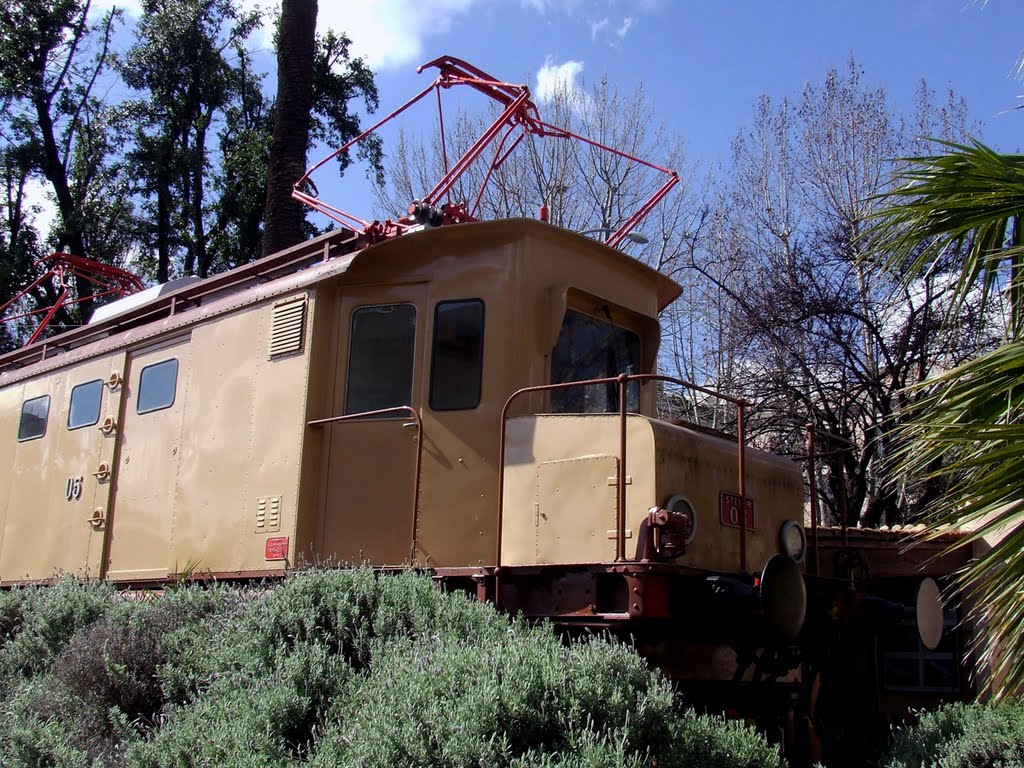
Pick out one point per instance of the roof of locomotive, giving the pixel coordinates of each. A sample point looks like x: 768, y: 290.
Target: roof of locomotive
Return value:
x: 466, y: 236
x: 329, y: 256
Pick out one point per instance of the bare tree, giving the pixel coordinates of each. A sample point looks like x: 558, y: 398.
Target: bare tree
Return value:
x: 815, y: 335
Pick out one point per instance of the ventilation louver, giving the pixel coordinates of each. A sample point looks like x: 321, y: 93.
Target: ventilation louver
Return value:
x: 287, y: 327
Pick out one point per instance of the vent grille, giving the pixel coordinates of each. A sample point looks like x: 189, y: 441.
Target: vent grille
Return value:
x: 287, y: 327
x: 268, y: 514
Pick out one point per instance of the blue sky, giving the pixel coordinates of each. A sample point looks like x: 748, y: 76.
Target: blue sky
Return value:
x: 704, y: 64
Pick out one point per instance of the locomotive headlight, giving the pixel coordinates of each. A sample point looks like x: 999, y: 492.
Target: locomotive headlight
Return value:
x: 682, y: 506
x: 793, y: 540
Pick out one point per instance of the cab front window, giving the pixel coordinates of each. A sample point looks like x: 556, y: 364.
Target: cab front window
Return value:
x: 589, y: 347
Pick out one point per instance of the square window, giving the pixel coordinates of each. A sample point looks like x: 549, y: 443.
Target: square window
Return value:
x: 157, y: 383
x: 33, y: 418
x: 380, y: 359
x: 591, y: 348
x: 84, y: 410
x: 456, y: 370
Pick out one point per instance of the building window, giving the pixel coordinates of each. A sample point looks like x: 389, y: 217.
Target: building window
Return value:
x: 84, y: 410
x: 33, y: 418
x: 590, y: 348
x: 909, y: 667
x: 157, y: 384
x: 381, y: 351
x: 456, y: 369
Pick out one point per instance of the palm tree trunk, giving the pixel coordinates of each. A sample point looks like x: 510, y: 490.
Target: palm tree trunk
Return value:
x: 295, y: 50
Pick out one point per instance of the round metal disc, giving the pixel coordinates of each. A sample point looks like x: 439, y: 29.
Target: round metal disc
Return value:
x: 929, y: 613
x: 783, y: 597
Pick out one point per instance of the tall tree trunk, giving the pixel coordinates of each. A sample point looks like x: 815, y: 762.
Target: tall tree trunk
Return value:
x: 163, y: 225
x: 71, y: 228
x: 295, y: 50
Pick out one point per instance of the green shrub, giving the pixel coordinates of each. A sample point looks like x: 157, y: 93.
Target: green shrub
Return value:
x: 36, y: 623
x: 331, y: 667
x: 266, y: 720
x: 962, y: 736
x: 711, y: 742
x: 193, y: 624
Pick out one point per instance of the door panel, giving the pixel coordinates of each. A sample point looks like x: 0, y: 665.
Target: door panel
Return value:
x: 141, y: 521
x: 58, y: 486
x: 575, y: 510
x: 369, y: 500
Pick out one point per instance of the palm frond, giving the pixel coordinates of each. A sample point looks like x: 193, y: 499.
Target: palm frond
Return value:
x: 955, y: 212
x: 961, y: 214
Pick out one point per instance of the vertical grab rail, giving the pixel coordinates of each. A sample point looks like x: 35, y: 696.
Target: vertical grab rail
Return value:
x: 407, y: 409
x: 620, y: 512
x: 812, y: 454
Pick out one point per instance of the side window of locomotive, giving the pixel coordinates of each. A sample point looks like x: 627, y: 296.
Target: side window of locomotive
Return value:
x: 33, y: 418
x: 84, y: 410
x: 591, y: 348
x: 456, y: 368
x: 157, y: 383
x: 382, y: 346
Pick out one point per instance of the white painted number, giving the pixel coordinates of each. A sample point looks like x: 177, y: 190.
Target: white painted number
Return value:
x: 73, y: 489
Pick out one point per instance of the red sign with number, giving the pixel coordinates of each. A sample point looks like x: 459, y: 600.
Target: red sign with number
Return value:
x: 731, y: 504
x: 277, y: 548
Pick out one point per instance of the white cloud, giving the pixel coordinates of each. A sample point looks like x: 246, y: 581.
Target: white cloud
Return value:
x: 390, y: 34
x: 553, y: 79
x: 568, y: 7
x: 597, y: 27
x: 40, y: 207
x: 627, y: 24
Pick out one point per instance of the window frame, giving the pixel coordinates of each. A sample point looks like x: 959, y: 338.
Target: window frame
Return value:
x: 46, y: 418
x: 174, y: 390
x: 71, y: 401
x: 346, y: 409
x: 584, y: 309
x: 435, y: 343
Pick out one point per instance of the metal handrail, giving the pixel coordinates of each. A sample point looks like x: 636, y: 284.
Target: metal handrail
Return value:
x: 621, y: 380
x: 407, y: 409
x: 812, y: 430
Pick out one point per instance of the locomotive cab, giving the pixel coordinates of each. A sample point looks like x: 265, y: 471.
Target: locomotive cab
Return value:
x: 360, y: 405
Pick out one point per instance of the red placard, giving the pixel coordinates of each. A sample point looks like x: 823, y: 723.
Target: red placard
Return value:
x: 730, y: 513
x: 277, y: 548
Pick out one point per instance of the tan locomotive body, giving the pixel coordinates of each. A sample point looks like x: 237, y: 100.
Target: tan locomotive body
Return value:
x: 210, y: 429
x: 415, y: 403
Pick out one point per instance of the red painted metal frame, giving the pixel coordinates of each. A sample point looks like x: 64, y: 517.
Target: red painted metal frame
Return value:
x: 61, y: 267
x: 812, y: 455
x: 407, y: 409
x: 622, y: 380
x: 519, y: 113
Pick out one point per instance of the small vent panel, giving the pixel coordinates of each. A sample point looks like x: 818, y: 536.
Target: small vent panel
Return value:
x: 268, y: 514
x: 287, y: 327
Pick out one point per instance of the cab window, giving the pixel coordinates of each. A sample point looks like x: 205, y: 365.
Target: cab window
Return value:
x: 157, y: 384
x: 456, y: 368
x: 33, y: 418
x: 382, y: 346
x: 84, y: 410
x: 592, y: 348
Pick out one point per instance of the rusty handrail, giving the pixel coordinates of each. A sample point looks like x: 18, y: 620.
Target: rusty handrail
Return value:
x: 812, y: 430
x: 621, y: 380
x: 407, y: 409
